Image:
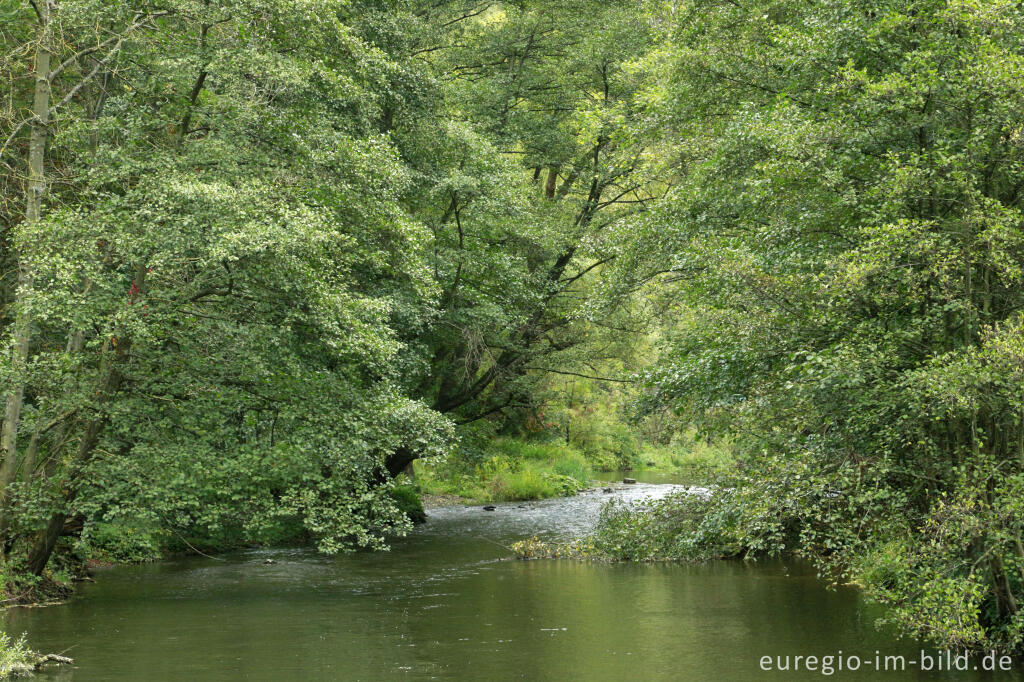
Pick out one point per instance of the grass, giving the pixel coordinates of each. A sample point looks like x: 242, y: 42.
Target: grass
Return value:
x: 511, y: 470
x: 525, y: 483
x: 408, y: 501
x: 529, y: 450
x: 688, y: 452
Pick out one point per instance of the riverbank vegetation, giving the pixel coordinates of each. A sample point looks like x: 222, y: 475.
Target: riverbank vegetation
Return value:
x: 511, y: 469
x: 847, y: 246
x: 508, y: 470
x: 259, y: 257
x: 262, y: 259
x: 689, y: 525
x: 15, y: 657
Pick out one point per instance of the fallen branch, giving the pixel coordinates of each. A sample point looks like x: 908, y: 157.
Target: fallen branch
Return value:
x: 31, y: 662
x: 43, y: 660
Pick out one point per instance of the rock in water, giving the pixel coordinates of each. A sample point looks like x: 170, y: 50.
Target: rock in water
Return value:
x: 629, y: 480
x: 489, y: 507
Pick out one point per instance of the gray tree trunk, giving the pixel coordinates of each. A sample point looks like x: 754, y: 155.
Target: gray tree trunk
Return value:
x: 36, y: 187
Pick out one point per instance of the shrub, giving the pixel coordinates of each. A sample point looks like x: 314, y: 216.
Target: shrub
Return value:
x: 408, y: 501
x: 15, y: 657
x: 683, y: 526
x: 121, y: 543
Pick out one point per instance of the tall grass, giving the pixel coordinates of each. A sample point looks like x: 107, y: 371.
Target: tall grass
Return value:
x: 688, y: 452
x: 511, y: 470
x: 527, y: 483
x: 574, y: 465
x: 524, y: 450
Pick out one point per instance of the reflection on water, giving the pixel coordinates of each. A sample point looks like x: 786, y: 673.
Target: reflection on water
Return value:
x: 446, y: 604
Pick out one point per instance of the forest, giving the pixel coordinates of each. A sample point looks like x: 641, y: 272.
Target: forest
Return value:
x: 273, y: 270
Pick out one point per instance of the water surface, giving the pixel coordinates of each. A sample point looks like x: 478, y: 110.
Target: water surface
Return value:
x: 446, y: 604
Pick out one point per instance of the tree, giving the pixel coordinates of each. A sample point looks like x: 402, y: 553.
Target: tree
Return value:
x: 214, y: 279
x: 844, y: 246
x: 521, y: 192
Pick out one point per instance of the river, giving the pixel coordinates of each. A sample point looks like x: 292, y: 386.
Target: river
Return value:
x: 446, y: 603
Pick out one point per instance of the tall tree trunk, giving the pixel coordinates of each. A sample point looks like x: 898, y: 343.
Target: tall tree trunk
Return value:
x: 47, y: 541
x: 35, y: 188
x: 552, y: 182
x: 116, y: 352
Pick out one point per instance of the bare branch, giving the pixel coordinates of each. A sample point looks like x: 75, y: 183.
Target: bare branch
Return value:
x: 99, y: 65
x: 584, y: 376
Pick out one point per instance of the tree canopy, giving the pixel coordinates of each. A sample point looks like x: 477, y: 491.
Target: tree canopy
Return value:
x: 258, y: 257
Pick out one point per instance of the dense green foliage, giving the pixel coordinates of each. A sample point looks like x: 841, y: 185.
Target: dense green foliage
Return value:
x: 688, y: 525
x: 409, y: 503
x: 844, y: 248
x: 259, y: 257
x: 203, y: 324
x: 508, y: 470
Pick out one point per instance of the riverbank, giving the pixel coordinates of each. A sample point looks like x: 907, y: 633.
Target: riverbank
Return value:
x: 506, y: 470
x: 517, y: 470
x: 502, y: 470
x: 444, y: 605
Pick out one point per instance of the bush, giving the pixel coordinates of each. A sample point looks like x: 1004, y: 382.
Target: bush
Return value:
x: 121, y: 543
x: 682, y: 526
x: 611, y: 446
x: 408, y: 501
x: 15, y: 657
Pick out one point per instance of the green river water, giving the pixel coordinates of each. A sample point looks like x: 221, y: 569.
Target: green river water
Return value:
x: 447, y: 604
